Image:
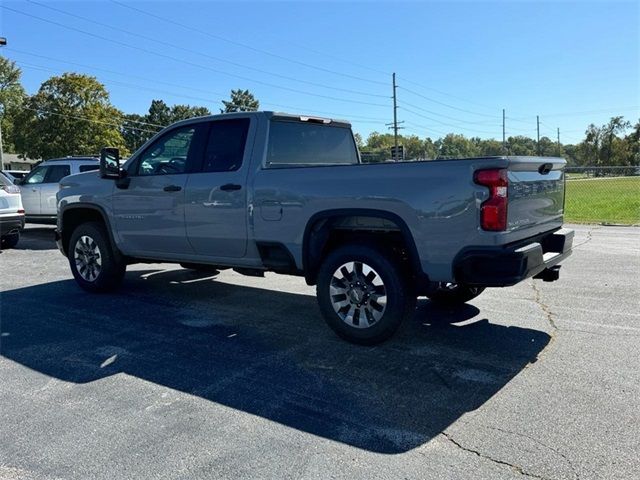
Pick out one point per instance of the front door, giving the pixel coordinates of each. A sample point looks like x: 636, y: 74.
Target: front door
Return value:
x: 149, y: 203
x: 30, y: 190
x: 216, y: 199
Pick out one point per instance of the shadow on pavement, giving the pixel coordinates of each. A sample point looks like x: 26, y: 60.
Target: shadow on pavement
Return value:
x: 270, y: 354
x: 37, y: 238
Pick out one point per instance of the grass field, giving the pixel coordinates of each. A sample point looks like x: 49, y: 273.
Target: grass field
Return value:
x: 603, y: 200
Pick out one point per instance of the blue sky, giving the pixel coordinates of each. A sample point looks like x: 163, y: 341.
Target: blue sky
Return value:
x: 458, y: 63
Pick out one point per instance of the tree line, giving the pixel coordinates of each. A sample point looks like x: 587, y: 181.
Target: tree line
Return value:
x: 72, y: 114
x: 615, y: 143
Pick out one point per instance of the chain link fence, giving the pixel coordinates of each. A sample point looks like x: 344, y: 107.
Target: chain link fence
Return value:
x: 603, y: 194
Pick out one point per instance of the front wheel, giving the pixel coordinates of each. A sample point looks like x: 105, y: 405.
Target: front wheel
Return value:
x: 94, y: 263
x: 444, y: 293
x: 363, y: 294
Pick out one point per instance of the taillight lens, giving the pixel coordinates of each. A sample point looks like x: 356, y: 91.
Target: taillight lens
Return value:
x: 493, y: 211
x: 10, y: 188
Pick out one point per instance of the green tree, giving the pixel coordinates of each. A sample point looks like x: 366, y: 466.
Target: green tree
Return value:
x: 159, y: 113
x: 633, y: 145
x: 69, y: 115
x: 182, y: 112
x: 12, y: 96
x: 521, y: 145
x: 457, y: 146
x: 136, y: 131
x: 358, y: 139
x: 614, y: 151
x: 489, y: 148
x: 241, y: 101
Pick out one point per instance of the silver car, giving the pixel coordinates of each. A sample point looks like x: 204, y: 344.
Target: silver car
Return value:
x: 40, y: 186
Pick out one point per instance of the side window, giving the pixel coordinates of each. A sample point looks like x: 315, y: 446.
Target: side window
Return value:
x: 57, y: 173
x: 225, y: 145
x: 167, y: 155
x: 88, y: 168
x: 36, y: 176
x: 301, y: 144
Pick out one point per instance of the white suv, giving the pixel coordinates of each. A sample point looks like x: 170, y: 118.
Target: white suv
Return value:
x: 40, y: 186
x: 11, y: 213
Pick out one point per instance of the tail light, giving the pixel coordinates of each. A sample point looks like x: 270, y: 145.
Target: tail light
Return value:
x: 21, y: 211
x: 493, y: 211
x: 10, y: 188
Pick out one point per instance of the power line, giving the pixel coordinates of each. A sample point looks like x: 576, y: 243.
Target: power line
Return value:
x: 78, y: 117
x: 443, y: 93
x: 570, y: 114
x: 359, y: 118
x: 248, y: 67
x: 117, y: 42
x: 464, y: 122
x: 446, y: 104
x: 244, y: 45
x: 447, y: 124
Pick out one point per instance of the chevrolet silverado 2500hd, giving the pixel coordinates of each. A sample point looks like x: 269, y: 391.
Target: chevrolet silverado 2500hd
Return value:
x: 264, y: 191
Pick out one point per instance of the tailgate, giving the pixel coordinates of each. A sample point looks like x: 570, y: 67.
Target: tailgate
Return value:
x: 536, y: 192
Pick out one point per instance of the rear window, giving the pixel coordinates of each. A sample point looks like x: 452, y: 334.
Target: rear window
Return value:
x: 298, y: 144
x: 4, y: 181
x: 88, y: 168
x: 57, y: 173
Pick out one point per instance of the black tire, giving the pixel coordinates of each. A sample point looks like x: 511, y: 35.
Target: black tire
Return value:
x: 10, y: 241
x: 112, y: 265
x: 453, y: 293
x: 400, y: 300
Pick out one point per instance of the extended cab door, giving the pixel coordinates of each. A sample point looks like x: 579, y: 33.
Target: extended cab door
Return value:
x: 50, y: 187
x: 149, y: 203
x: 216, y: 198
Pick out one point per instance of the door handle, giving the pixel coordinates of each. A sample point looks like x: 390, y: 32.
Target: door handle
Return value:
x: 172, y: 188
x: 230, y: 187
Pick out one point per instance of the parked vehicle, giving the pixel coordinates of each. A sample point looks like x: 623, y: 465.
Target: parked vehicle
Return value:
x: 260, y: 191
x: 40, y: 185
x: 14, y: 175
x: 11, y: 213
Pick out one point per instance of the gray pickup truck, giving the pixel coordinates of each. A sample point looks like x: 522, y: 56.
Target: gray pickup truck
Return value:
x: 264, y: 191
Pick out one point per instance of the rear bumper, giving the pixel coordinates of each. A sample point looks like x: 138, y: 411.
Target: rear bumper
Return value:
x: 505, y: 266
x: 11, y: 223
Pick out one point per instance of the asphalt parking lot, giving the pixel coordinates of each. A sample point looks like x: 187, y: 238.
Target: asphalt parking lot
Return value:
x: 181, y: 375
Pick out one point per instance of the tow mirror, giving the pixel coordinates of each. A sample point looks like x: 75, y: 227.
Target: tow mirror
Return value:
x: 110, y: 163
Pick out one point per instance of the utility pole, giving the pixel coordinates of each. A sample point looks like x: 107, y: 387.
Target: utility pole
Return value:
x: 3, y: 42
x: 504, y: 138
x: 394, y: 125
x: 538, y: 129
x: 395, y: 118
x: 559, y: 150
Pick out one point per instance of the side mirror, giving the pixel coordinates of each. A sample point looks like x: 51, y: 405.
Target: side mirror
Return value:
x: 18, y: 181
x: 110, y: 163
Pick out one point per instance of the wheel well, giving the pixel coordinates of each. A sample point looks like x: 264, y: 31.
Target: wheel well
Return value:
x: 328, y: 232
x: 74, y: 217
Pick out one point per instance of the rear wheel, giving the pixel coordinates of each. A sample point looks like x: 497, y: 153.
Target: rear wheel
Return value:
x: 363, y: 294
x: 94, y: 263
x: 10, y: 241
x: 445, y: 293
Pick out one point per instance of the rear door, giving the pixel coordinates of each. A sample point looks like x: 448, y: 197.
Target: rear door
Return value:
x: 536, y: 193
x: 50, y: 187
x: 149, y: 204
x: 30, y: 189
x: 216, y: 198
